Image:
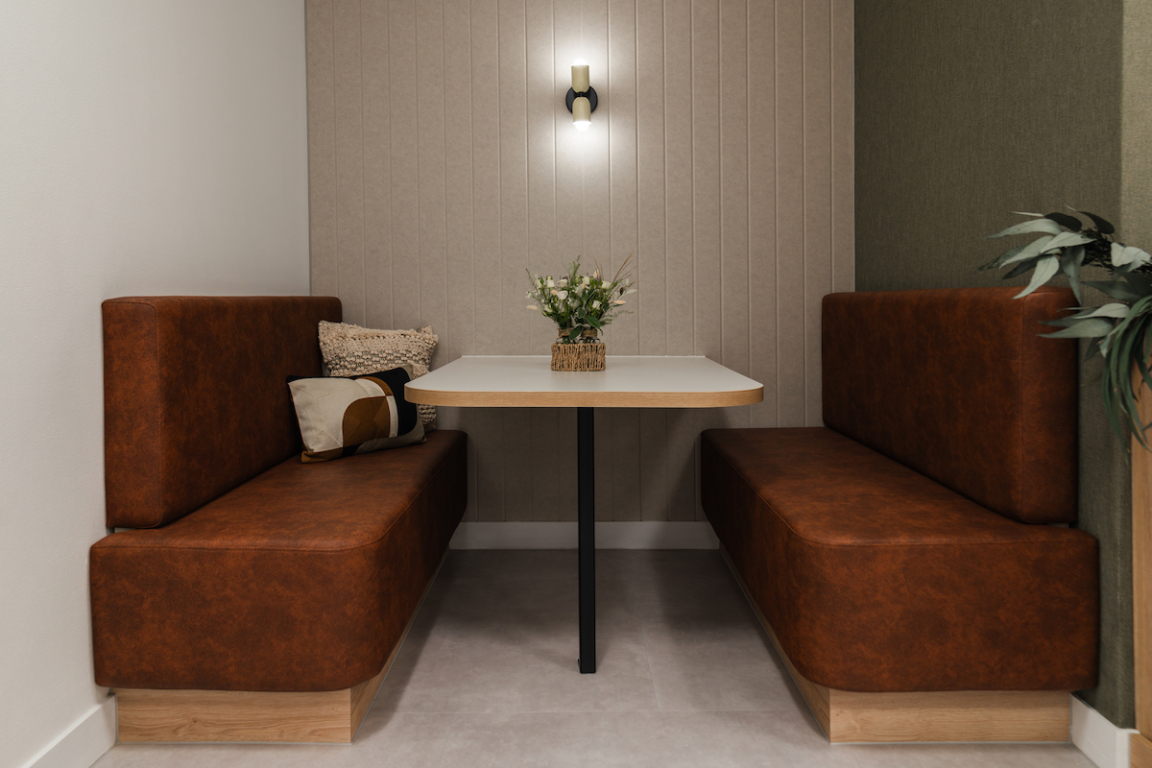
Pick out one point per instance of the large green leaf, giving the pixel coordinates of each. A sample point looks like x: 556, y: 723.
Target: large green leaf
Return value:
x: 1115, y: 289
x: 1069, y: 222
x: 1141, y: 282
x: 1034, y: 248
x: 1123, y: 255
x: 1115, y: 309
x: 1092, y: 328
x: 1036, y: 225
x: 1023, y: 267
x: 999, y: 260
x: 1103, y: 225
x: 1046, y: 269
x: 1071, y: 260
x: 1065, y: 239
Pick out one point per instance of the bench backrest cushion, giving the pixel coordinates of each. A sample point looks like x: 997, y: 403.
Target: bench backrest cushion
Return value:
x: 958, y: 385
x: 196, y: 399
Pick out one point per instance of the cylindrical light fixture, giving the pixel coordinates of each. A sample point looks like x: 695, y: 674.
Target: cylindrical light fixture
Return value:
x: 579, y: 75
x: 581, y: 98
x: 581, y: 113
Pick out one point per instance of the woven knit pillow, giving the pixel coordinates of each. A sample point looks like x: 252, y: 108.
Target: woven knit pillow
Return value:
x: 350, y: 350
x: 346, y: 416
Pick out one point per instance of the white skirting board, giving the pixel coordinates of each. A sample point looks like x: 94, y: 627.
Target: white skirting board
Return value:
x: 1095, y: 736
x: 634, y: 535
x: 82, y: 744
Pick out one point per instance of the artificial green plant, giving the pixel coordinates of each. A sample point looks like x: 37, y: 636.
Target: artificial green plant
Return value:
x: 1118, y: 330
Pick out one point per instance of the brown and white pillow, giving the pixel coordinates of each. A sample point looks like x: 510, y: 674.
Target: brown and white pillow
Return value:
x: 352, y: 350
x: 346, y: 416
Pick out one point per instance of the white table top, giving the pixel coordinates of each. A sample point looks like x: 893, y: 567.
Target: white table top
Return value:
x: 626, y: 382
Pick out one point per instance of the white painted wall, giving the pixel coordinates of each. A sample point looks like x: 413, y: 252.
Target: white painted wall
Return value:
x: 148, y: 147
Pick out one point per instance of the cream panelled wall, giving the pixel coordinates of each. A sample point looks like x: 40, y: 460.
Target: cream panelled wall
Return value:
x: 443, y: 164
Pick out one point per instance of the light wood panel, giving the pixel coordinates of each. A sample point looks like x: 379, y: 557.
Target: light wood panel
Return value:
x: 1140, y: 751
x: 720, y: 155
x: 981, y: 716
x: 1142, y: 565
x: 151, y: 715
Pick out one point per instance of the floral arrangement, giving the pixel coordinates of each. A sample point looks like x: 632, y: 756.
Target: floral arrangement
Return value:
x: 1120, y: 329
x: 579, y: 303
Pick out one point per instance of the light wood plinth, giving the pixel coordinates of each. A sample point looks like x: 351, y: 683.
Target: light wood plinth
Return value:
x: 332, y: 717
x: 979, y: 716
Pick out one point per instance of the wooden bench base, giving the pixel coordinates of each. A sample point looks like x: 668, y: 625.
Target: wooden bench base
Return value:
x: 849, y: 716
x: 330, y: 717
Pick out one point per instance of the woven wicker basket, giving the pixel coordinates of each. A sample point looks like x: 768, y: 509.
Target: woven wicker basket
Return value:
x: 578, y: 357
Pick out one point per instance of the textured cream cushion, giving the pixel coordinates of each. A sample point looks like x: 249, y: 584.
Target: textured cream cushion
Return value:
x: 346, y: 416
x: 350, y: 350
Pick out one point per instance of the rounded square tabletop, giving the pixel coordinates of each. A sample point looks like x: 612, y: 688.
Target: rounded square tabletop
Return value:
x: 626, y: 382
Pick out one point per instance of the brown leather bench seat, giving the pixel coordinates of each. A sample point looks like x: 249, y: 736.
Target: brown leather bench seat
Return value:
x: 912, y: 559
x: 876, y: 578
x: 255, y: 598
x: 301, y: 579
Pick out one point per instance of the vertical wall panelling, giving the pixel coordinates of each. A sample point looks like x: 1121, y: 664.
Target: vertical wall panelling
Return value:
x: 430, y: 163
x: 349, y: 98
x: 377, y: 146
x: 458, y: 337
x: 707, y: 267
x: 443, y: 164
x: 513, y: 110
x: 762, y: 239
x: 405, y: 177
x: 487, y: 437
x: 678, y: 244
x: 791, y: 187
x: 322, y: 146
x: 548, y: 501
x: 817, y: 110
x: 622, y: 220
x: 652, y: 316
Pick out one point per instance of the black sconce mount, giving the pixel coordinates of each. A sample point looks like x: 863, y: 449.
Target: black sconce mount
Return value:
x: 589, y: 94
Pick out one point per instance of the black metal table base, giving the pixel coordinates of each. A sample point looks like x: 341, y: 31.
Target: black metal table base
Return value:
x: 586, y: 494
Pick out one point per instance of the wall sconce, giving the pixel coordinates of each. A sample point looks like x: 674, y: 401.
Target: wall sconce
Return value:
x: 581, y: 98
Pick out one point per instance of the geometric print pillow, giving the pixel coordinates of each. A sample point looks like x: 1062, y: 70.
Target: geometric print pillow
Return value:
x: 350, y: 350
x: 346, y: 416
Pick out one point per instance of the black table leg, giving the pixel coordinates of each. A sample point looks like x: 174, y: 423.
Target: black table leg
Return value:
x: 586, y: 494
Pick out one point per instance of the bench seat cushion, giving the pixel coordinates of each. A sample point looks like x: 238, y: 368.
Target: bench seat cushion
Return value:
x: 876, y: 578
x: 301, y: 579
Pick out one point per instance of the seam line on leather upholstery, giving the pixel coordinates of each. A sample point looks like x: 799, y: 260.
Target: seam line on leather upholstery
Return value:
x: 815, y: 543
x: 373, y: 542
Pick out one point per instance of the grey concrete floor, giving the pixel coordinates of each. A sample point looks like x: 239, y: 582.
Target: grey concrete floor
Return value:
x: 687, y: 677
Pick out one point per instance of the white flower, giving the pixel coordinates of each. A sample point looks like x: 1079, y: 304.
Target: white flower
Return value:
x: 550, y: 283
x: 561, y: 295
x: 584, y: 281
x: 596, y: 305
x: 563, y: 281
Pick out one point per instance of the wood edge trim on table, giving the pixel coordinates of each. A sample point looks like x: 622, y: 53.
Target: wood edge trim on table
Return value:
x: 1139, y: 751
x: 146, y: 715
x: 973, y: 716
x: 586, y: 399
